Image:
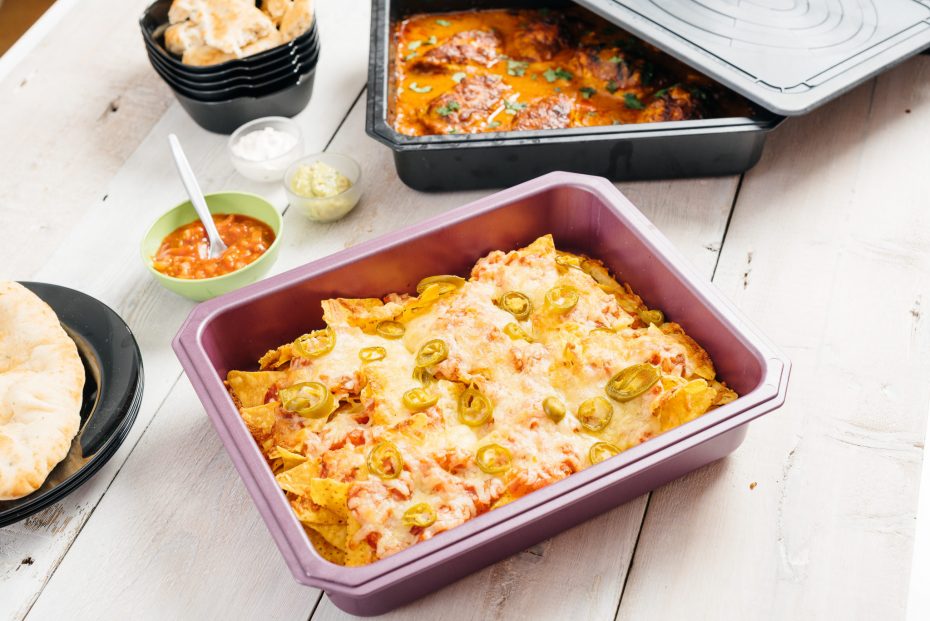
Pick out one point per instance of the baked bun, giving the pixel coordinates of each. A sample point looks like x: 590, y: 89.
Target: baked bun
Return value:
x: 297, y: 19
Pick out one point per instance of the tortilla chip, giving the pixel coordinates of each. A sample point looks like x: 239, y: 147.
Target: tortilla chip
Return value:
x: 250, y: 388
x: 260, y: 418
x: 328, y: 551
x: 686, y: 403
x: 276, y: 358
x: 309, y: 512
x: 357, y: 552
x: 331, y: 494
x: 503, y: 500
x: 334, y: 534
x: 724, y: 394
x: 298, y: 480
x: 285, y: 459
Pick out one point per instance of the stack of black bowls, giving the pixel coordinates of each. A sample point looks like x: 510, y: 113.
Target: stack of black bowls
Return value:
x: 220, y: 98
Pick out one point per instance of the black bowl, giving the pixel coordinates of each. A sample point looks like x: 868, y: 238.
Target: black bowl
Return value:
x: 155, y: 19
x: 112, y: 394
x: 177, y: 68
x: 235, y: 87
x: 223, y: 117
x: 250, y: 89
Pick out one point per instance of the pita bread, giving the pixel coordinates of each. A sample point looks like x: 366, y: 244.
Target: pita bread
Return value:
x: 41, y: 384
x: 297, y: 19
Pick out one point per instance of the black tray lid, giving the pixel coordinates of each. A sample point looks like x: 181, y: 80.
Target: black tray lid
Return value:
x: 788, y: 56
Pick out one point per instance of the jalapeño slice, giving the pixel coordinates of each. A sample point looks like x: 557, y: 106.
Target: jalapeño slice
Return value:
x: 631, y: 382
x: 474, y: 408
x: 390, y: 329
x: 308, y: 399
x: 562, y: 298
x: 316, y: 343
x: 517, y: 304
x: 554, y: 408
x: 372, y: 354
x: 417, y: 399
x: 493, y: 458
x: 594, y: 414
x: 602, y: 450
x: 385, y: 461
x: 451, y: 283
x: 420, y: 514
x: 433, y: 352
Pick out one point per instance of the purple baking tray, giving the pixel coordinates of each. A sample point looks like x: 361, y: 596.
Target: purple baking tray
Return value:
x: 585, y: 214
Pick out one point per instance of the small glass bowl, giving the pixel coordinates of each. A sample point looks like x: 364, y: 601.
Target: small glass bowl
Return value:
x: 266, y: 170
x: 330, y: 208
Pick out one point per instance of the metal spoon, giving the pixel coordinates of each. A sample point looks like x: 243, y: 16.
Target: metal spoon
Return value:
x: 217, y: 247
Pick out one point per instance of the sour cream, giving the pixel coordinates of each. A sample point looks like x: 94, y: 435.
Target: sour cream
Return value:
x: 263, y: 145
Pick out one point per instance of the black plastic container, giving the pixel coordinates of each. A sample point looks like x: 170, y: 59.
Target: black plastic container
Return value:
x: 287, y: 76
x: 696, y: 148
x: 223, y: 117
x: 157, y: 55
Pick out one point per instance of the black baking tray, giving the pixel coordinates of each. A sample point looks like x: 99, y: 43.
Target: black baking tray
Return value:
x: 697, y: 148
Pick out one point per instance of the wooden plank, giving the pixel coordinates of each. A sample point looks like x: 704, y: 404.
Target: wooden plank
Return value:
x: 578, y: 574
x: 829, y: 252
x: 918, y: 598
x: 99, y: 255
x: 74, y: 109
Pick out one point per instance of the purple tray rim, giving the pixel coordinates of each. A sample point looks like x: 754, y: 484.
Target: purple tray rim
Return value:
x: 305, y: 563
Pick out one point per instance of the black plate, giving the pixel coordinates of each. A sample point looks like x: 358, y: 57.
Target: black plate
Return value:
x: 112, y: 394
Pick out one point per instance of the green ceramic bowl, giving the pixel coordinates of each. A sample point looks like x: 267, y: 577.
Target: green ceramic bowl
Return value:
x: 241, y: 203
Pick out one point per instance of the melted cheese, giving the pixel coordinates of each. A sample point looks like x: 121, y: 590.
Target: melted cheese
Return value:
x: 570, y: 355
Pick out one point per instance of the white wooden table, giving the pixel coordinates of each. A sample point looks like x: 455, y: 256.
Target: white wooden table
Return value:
x: 825, y: 245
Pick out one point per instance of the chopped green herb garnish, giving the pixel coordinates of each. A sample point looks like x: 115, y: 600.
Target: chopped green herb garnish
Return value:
x: 513, y: 107
x: 420, y: 89
x: 452, y: 131
x: 612, y: 87
x: 414, y: 45
x: 410, y: 55
x: 618, y: 60
x: 587, y: 92
x: 558, y: 89
x: 516, y: 67
x: 448, y: 109
x: 552, y: 75
x: 662, y: 92
x: 646, y: 74
x: 632, y: 102
x: 458, y: 76
x: 494, y: 124
x: 698, y: 93
x: 535, y: 76
x: 432, y: 40
x: 444, y: 23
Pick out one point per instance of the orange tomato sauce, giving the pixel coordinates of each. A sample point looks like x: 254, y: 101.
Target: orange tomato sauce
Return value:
x: 183, y: 252
x: 588, y: 44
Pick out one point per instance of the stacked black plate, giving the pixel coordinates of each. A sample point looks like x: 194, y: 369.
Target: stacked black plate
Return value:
x: 220, y: 98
